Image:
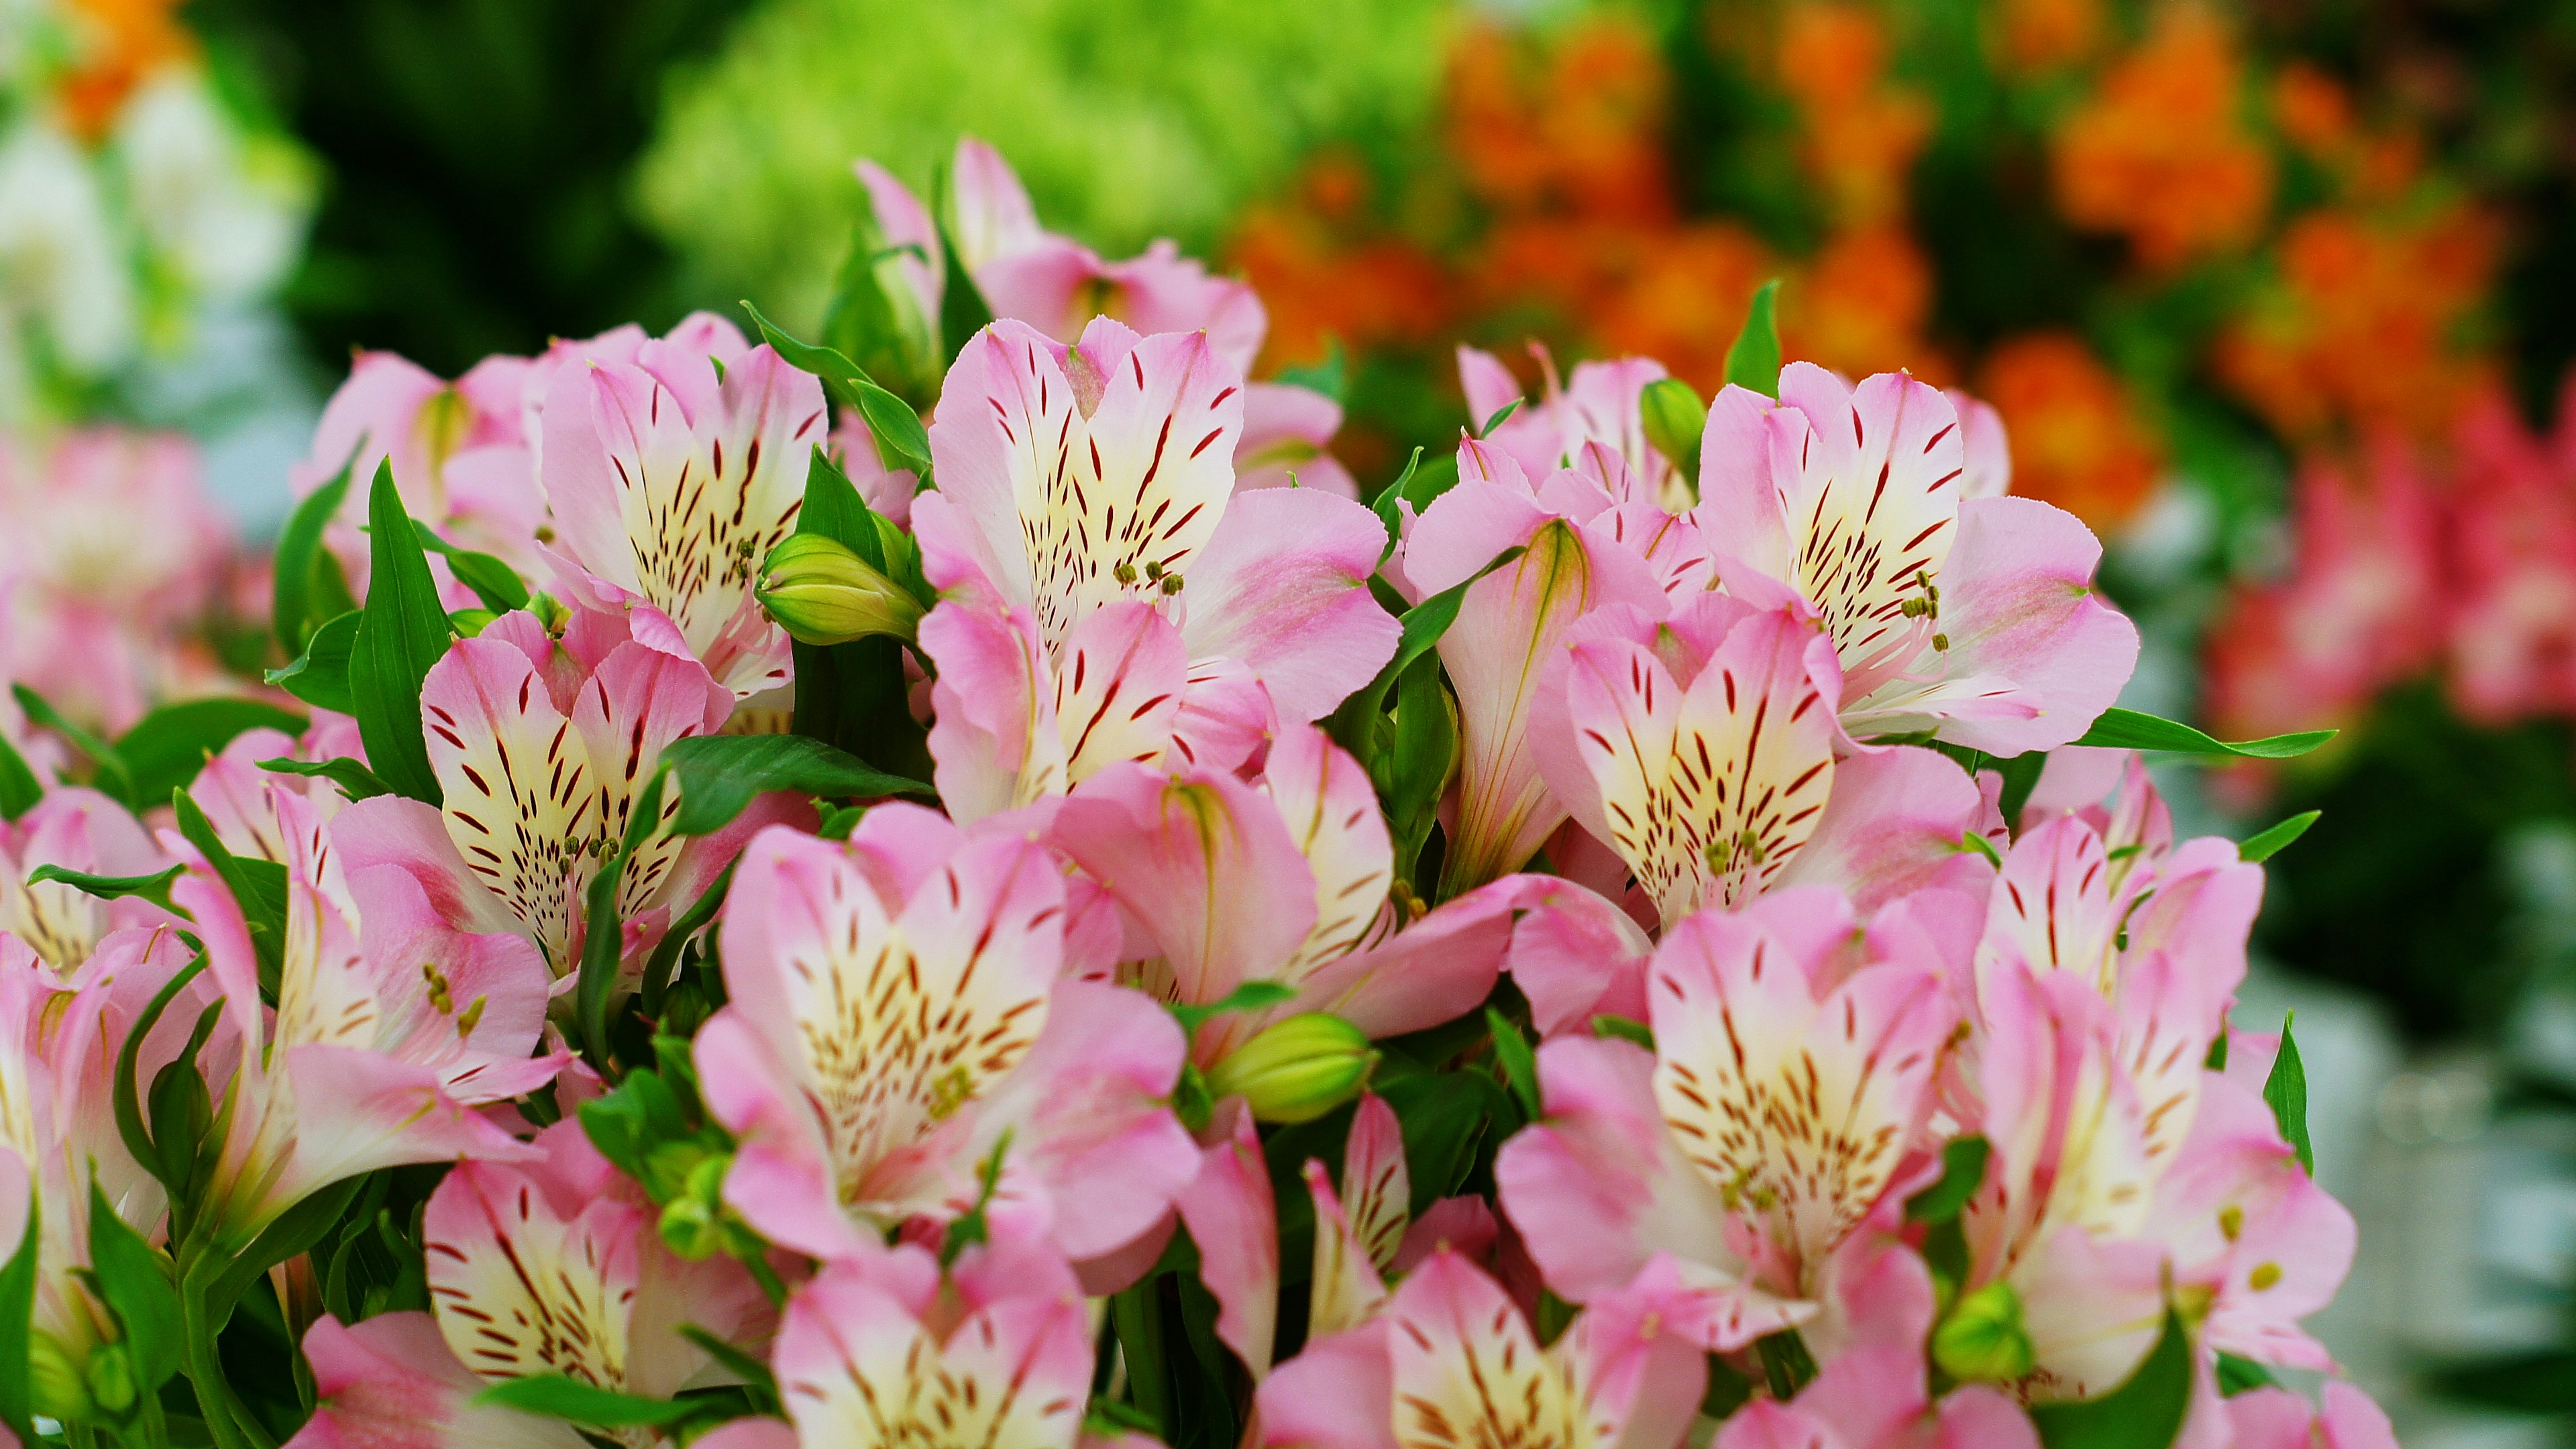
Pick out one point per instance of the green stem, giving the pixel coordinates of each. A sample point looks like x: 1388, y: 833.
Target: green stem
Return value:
x: 228, y: 1421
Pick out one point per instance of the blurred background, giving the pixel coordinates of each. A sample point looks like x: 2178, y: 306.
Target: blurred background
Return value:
x: 2275, y: 295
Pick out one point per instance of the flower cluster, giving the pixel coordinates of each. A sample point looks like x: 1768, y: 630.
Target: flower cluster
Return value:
x: 1650, y: 928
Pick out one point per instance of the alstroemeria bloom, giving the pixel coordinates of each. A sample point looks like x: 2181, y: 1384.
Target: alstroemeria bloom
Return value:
x: 1573, y: 561
x: 1776, y: 1115
x: 1701, y: 747
x: 2283, y: 1419
x: 1286, y: 881
x: 543, y: 747
x: 1058, y: 285
x: 881, y: 1347
x: 232, y: 788
x: 671, y: 478
x: 1600, y: 405
x: 58, y: 1053
x: 1876, y: 1398
x: 1972, y: 618
x: 391, y: 1027
x: 899, y: 1010
x: 1110, y: 595
x: 459, y: 450
x: 1451, y: 1361
x: 548, y: 1267
x: 77, y: 829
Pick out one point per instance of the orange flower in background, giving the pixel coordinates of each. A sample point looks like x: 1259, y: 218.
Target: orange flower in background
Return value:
x: 2031, y: 36
x: 2160, y: 153
x: 1318, y: 282
x: 1685, y: 300
x: 2358, y: 327
x: 2076, y: 440
x: 1580, y: 130
x: 1861, y: 306
x: 118, y: 45
x: 1861, y: 135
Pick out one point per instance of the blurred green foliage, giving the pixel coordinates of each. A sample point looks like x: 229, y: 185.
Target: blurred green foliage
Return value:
x: 1128, y: 119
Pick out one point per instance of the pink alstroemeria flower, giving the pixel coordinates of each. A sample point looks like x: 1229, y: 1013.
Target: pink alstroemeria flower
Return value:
x: 460, y: 454
x: 900, y: 1010
x: 1286, y: 880
x: 391, y: 1027
x: 1450, y: 1360
x: 1057, y: 285
x: 882, y: 1347
x: 233, y: 789
x: 1600, y: 406
x: 551, y: 1266
x: 1876, y: 1398
x: 1753, y: 1157
x: 1972, y: 618
x: 78, y: 829
x: 1110, y: 595
x: 543, y: 747
x: 672, y: 477
x: 2283, y: 1419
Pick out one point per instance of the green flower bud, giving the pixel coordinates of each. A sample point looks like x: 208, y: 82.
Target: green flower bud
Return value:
x: 111, y: 1378
x: 1983, y: 1338
x: 1674, y: 417
x: 56, y: 1385
x: 692, y: 1228
x: 822, y: 592
x: 1297, y: 1070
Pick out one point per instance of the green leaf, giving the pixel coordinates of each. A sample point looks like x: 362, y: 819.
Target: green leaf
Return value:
x: 136, y: 1283
x: 554, y: 1396
x: 2238, y: 1375
x: 1625, y: 1029
x: 258, y: 888
x: 1519, y: 1063
x: 1787, y: 1366
x: 19, y: 787
x: 112, y: 777
x: 1417, y: 766
x: 1444, y: 1117
x: 719, y: 774
x: 1963, y: 1171
x: 154, y: 888
x: 2144, y: 1413
x: 297, y: 598
x: 1416, y: 486
x: 17, y: 1312
x: 2020, y: 774
x: 320, y: 676
x: 127, y: 1096
x: 1250, y: 996
x: 166, y: 748
x: 1501, y: 416
x: 666, y: 954
x: 2263, y: 845
x: 963, y: 312
x: 355, y: 780
x: 1354, y: 724
x: 852, y: 696
x: 2127, y: 729
x: 2286, y: 1091
x: 902, y: 442
x: 603, y: 938
x: 755, y: 1374
x: 1753, y: 359
x: 876, y: 319
x: 402, y: 631
x: 496, y: 583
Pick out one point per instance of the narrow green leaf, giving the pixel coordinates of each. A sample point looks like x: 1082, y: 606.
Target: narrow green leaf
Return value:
x: 355, y: 780
x: 901, y: 440
x: 496, y: 583
x: 19, y: 787
x: 603, y: 938
x: 1501, y: 416
x: 1963, y: 1171
x: 17, y: 1312
x: 166, y: 748
x: 127, y: 1096
x: 112, y: 777
x: 320, y: 676
x: 135, y: 1281
x: 719, y: 774
x: 2263, y: 845
x: 258, y: 888
x: 2238, y: 1375
x: 2144, y: 1413
x: 1519, y: 1063
x: 2127, y: 729
x: 2286, y: 1091
x: 554, y: 1396
x: 154, y: 888
x: 1625, y: 1029
x: 1250, y: 996
x: 1787, y: 1365
x: 293, y: 612
x: 1353, y: 724
x: 1393, y: 494
x: 402, y: 631
x: 1753, y: 359
x: 963, y: 312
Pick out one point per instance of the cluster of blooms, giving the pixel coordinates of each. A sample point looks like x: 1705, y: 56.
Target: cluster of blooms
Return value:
x: 2411, y: 562
x: 130, y: 198
x: 1545, y: 961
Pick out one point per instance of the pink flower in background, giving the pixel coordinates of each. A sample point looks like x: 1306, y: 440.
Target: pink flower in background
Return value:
x: 1600, y: 405
x: 460, y: 454
x: 82, y: 830
x: 1110, y: 596
x: 1876, y: 1398
x: 899, y: 1012
x: 97, y: 607
x: 2512, y: 616
x: 1972, y: 618
x: 2283, y: 1419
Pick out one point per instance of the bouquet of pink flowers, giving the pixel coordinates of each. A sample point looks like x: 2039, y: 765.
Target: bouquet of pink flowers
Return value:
x: 788, y: 924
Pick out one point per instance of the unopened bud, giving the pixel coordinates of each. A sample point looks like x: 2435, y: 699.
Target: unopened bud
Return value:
x: 1297, y: 1070
x: 111, y: 1378
x: 1673, y: 417
x: 822, y: 592
x: 692, y: 1229
x: 1983, y: 1338
x: 56, y: 1386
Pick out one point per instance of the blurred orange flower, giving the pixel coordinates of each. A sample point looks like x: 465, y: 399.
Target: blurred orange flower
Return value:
x: 118, y: 45
x: 2042, y: 35
x: 2076, y: 440
x: 2160, y: 154
x: 1578, y: 129
x: 1861, y: 135
x: 1861, y: 306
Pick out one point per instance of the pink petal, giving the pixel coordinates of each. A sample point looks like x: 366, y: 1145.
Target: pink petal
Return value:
x: 1282, y: 586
